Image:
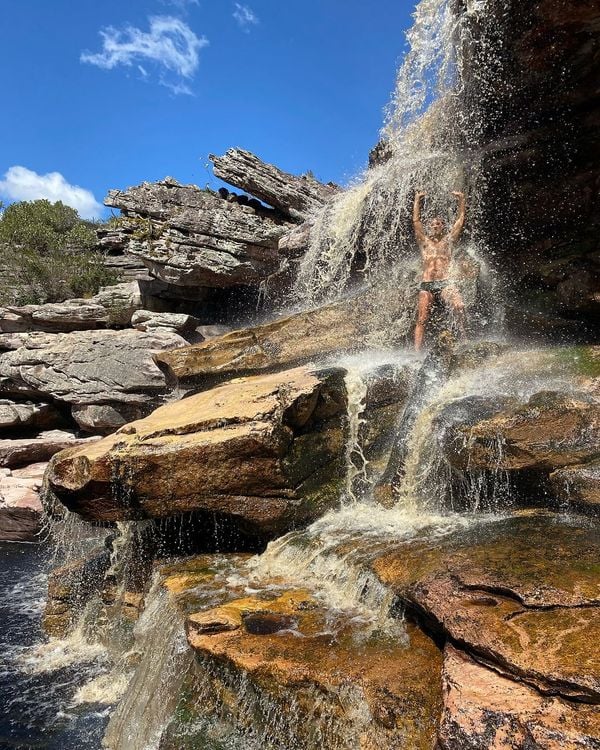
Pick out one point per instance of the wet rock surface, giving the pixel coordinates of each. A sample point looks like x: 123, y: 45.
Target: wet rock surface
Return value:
x: 266, y: 448
x: 483, y: 710
x: 520, y: 594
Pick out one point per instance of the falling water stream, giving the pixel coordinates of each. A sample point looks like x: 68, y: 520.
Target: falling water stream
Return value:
x: 364, y: 237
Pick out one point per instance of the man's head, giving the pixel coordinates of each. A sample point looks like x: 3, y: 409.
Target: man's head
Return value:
x: 436, y: 228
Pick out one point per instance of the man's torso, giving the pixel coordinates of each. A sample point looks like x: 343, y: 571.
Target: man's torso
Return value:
x: 436, y: 259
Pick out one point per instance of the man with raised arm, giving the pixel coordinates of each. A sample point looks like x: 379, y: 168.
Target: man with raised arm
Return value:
x: 436, y: 252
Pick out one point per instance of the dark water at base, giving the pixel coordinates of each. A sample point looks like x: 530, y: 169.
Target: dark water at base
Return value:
x: 36, y: 700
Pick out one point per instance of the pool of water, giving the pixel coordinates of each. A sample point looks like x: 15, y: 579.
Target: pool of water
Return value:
x: 39, y: 679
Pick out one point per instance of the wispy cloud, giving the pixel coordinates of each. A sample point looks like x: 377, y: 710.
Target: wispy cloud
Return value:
x: 181, y: 5
x: 170, y: 45
x: 22, y: 184
x: 245, y: 17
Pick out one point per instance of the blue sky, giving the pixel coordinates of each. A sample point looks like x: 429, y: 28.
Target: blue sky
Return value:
x: 99, y: 95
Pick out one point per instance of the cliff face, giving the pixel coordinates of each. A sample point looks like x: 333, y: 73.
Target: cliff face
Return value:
x: 537, y: 104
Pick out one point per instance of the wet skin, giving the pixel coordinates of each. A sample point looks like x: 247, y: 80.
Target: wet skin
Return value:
x: 436, y: 253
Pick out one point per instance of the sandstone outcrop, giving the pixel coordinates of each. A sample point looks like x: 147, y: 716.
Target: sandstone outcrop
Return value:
x: 86, y: 368
x: 265, y: 450
x: 113, y: 306
x: 313, y: 335
x: 25, y: 416
x: 69, y: 588
x: 483, y: 709
x: 189, y: 237
x: 295, y: 196
x: 578, y: 486
x: 20, y: 507
x: 521, y: 595
x: 41, y: 447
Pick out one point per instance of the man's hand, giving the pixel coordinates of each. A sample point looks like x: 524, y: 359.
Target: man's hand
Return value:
x: 458, y: 194
x: 419, y: 195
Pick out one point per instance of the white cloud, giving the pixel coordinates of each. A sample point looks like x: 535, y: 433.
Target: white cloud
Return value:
x: 181, y: 5
x: 170, y: 44
x: 245, y: 16
x: 22, y: 184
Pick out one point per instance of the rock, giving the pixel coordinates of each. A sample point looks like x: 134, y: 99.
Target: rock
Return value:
x: 295, y: 196
x: 102, y: 419
x: 549, y: 431
x: 389, y: 691
x: 520, y: 595
x: 89, y: 367
x: 20, y: 507
x: 192, y: 238
x: 483, y: 709
x: 264, y: 450
x: 145, y: 320
x: 42, y: 447
x: 307, y: 336
x: 578, y: 486
x: 209, y: 332
x: 19, y: 416
x: 112, y: 306
x: 537, y: 139
x: 69, y: 588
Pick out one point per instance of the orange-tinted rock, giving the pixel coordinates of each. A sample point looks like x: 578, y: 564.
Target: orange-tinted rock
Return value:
x: 262, y: 449
x: 485, y: 711
x: 374, y: 692
x: 521, y: 594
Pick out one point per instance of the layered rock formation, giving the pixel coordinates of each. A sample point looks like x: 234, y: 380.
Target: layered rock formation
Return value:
x: 295, y: 197
x: 267, y: 447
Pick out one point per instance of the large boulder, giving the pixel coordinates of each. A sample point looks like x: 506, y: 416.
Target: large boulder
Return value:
x: 313, y: 335
x: 578, y: 486
x: 189, y: 237
x: 296, y: 196
x: 265, y: 450
x: 86, y: 368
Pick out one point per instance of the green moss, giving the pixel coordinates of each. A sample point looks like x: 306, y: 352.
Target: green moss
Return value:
x: 580, y: 360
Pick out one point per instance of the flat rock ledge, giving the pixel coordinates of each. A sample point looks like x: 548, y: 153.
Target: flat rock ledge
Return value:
x: 265, y: 450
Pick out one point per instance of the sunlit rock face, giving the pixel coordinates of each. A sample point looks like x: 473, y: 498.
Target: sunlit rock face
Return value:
x: 265, y: 450
x: 532, y: 79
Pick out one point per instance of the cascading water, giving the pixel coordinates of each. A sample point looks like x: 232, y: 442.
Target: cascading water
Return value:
x: 365, y: 234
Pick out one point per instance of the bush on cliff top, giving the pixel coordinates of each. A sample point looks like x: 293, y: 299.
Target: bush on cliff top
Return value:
x: 47, y: 255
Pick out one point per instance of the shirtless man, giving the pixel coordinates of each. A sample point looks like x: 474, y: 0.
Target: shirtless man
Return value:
x: 436, y: 251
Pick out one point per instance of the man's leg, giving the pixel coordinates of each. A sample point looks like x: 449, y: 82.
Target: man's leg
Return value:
x: 423, y: 308
x: 453, y: 298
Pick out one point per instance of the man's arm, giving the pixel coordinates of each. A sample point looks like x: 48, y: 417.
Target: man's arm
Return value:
x: 459, y: 224
x: 418, y: 226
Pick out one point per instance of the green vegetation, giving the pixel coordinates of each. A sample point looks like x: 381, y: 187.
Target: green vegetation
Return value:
x: 47, y: 254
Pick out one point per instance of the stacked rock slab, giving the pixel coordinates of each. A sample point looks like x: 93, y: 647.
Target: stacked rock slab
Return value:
x: 264, y: 450
x: 111, y: 370
x: 295, y: 196
x: 112, y: 307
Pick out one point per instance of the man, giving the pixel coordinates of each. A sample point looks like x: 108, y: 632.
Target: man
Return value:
x: 436, y: 252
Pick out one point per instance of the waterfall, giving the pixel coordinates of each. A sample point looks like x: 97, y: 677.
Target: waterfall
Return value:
x: 141, y: 717
x: 365, y: 234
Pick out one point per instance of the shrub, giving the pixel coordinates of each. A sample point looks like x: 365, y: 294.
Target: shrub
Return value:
x: 47, y: 255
